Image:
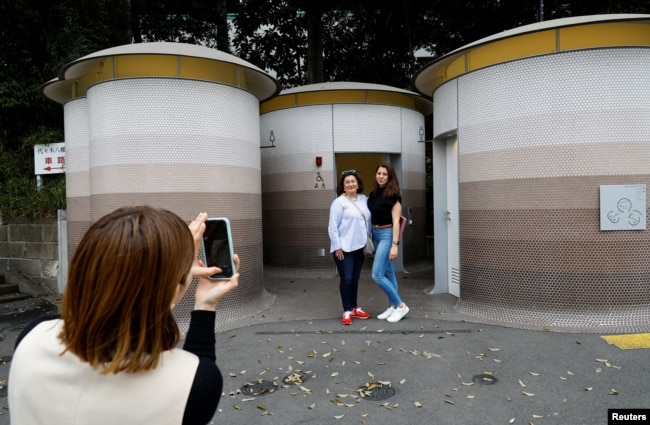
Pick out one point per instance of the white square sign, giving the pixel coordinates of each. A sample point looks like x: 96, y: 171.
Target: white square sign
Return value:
x: 623, y: 207
x: 49, y: 159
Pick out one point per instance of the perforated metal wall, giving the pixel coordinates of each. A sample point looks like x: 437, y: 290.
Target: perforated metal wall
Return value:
x: 297, y: 194
x: 184, y: 145
x: 537, y: 137
x: 77, y: 181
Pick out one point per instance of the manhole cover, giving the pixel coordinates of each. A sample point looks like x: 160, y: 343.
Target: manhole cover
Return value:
x: 376, y: 392
x: 295, y: 379
x: 484, y: 379
x: 258, y: 388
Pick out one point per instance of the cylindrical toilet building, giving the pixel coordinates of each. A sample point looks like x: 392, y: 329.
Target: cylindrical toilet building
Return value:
x: 541, y: 165
x: 174, y: 126
x: 316, y: 131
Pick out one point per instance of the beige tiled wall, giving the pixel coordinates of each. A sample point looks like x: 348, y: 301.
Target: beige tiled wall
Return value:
x: 297, y: 194
x: 187, y: 146
x: 537, y: 138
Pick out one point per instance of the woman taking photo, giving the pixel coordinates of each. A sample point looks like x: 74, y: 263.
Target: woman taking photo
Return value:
x: 348, y: 230
x: 385, y: 205
x: 111, y: 357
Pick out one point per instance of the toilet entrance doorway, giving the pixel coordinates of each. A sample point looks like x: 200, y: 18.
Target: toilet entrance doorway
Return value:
x: 365, y: 165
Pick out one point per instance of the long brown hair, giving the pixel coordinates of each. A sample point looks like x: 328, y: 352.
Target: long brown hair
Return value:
x: 122, y: 281
x: 392, y: 186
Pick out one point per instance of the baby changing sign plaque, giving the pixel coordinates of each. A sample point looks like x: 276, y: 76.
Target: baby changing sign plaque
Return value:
x: 623, y: 207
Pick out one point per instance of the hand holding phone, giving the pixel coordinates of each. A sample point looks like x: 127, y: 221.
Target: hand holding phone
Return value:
x: 218, y: 247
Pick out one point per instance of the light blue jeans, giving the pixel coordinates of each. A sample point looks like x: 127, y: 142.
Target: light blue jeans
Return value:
x: 383, y: 270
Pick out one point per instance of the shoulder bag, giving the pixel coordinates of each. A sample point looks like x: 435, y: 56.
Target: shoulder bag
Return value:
x: 369, y: 248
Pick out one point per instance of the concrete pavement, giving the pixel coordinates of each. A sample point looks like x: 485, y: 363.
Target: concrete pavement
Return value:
x: 441, y: 368
x: 295, y: 363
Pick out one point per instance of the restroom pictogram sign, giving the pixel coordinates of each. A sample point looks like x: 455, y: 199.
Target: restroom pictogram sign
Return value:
x: 623, y: 207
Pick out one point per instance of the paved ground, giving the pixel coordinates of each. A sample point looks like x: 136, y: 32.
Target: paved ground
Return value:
x: 295, y: 363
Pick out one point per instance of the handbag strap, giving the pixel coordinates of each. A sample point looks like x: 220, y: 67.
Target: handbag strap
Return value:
x: 362, y: 214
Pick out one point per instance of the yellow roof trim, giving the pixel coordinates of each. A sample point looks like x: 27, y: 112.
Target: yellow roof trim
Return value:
x: 579, y: 33
x: 158, y: 60
x: 611, y: 34
x: 328, y: 97
x: 160, y: 66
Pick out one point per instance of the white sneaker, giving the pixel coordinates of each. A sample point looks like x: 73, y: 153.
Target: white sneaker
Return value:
x: 386, y: 314
x: 398, y: 313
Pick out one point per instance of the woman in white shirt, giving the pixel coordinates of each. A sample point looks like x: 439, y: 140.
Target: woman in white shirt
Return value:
x: 348, y: 228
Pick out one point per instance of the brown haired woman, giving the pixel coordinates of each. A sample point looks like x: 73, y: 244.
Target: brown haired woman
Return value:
x: 385, y: 205
x: 111, y: 357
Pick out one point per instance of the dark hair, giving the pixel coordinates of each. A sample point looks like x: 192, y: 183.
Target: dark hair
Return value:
x: 340, y: 188
x: 122, y: 281
x: 392, y: 186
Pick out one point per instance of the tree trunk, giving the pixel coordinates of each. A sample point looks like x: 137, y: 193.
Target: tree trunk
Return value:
x: 223, y: 41
x: 313, y: 14
x: 135, y: 21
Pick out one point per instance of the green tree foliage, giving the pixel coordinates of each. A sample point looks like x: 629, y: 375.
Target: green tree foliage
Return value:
x: 195, y: 22
x: 377, y: 41
x: 19, y: 195
x: 298, y: 41
x: 272, y: 35
x: 565, y: 8
x: 36, y: 40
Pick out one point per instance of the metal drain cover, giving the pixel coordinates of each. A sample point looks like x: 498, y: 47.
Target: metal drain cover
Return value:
x: 258, y: 388
x: 376, y: 392
x: 484, y: 379
x: 295, y: 378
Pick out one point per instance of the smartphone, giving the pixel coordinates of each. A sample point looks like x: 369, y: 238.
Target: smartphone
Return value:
x: 217, y: 246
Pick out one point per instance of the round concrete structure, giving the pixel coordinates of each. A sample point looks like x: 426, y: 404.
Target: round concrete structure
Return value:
x: 544, y: 120
x: 348, y: 126
x: 174, y: 126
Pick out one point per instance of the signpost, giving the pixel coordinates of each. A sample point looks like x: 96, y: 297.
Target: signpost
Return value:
x: 48, y: 159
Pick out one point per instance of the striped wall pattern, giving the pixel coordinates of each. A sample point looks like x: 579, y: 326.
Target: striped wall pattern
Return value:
x: 77, y: 177
x: 297, y: 194
x: 413, y: 184
x: 537, y: 137
x: 184, y: 145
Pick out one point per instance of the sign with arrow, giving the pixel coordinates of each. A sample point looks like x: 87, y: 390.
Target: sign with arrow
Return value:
x: 49, y: 159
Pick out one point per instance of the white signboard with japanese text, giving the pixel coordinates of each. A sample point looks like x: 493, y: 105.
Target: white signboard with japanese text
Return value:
x: 49, y: 159
x: 623, y: 207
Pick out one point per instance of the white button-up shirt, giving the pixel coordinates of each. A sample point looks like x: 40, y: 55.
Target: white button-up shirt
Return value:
x: 347, y: 228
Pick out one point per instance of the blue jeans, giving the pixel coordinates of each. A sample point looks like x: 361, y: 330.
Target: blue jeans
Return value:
x: 383, y: 270
x: 350, y: 272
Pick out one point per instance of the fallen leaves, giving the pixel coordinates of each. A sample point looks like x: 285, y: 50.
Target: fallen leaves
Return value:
x: 334, y: 392
x: 295, y: 378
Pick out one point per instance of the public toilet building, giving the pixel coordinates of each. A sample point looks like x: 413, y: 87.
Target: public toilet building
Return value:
x: 309, y: 135
x: 541, y: 170
x: 174, y: 126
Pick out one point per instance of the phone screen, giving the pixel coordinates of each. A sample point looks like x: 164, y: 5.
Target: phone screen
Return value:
x: 217, y: 245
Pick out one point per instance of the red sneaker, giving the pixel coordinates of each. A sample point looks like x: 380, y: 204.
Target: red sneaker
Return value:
x: 347, y: 318
x: 358, y: 313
